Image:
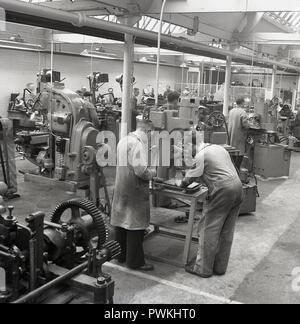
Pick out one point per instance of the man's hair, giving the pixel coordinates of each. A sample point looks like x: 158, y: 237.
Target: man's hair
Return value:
x: 240, y: 102
x: 173, y: 96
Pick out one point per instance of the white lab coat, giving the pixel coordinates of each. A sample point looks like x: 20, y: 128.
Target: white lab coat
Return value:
x: 237, y: 127
x: 131, y: 203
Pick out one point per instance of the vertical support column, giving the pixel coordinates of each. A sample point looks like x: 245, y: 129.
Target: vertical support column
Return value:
x: 298, y: 85
x: 202, y: 77
x: 297, y: 94
x: 199, y: 80
x: 227, y: 86
x: 127, y: 85
x: 273, y: 84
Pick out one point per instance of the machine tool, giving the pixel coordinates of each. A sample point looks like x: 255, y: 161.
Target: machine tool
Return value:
x: 263, y: 147
x: 193, y: 116
x: 41, y: 256
x: 8, y: 171
x: 20, y: 111
x: 96, y: 81
x: 71, y: 123
x: 296, y: 133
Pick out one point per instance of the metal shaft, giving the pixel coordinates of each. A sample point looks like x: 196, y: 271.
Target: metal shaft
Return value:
x: 38, y: 292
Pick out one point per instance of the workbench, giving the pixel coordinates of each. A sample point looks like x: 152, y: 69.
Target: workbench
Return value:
x: 194, y: 199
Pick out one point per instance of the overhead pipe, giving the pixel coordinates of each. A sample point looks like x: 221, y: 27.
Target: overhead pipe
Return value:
x: 80, y: 20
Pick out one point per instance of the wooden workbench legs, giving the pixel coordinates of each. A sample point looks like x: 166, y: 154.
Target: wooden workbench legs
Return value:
x: 189, y: 237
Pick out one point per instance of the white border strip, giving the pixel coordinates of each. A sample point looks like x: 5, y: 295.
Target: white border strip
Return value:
x: 175, y: 285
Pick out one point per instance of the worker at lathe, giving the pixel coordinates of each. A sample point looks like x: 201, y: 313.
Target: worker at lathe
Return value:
x: 238, y: 126
x: 131, y: 204
x: 213, y: 165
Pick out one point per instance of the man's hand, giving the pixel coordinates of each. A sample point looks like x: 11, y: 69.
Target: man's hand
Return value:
x: 158, y: 180
x: 153, y: 172
x: 185, y: 183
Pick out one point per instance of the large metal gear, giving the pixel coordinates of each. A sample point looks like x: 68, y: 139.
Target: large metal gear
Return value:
x: 88, y: 224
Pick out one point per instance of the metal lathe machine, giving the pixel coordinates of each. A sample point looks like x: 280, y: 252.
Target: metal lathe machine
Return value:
x: 60, y: 259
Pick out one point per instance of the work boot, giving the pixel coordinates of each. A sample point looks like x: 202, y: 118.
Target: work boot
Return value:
x: 219, y: 274
x: 190, y: 269
x: 145, y: 267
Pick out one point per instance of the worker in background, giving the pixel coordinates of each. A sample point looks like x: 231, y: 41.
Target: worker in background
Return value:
x: 238, y: 126
x: 214, y: 167
x: 173, y: 101
x: 135, y: 113
x: 167, y: 92
x: 131, y: 203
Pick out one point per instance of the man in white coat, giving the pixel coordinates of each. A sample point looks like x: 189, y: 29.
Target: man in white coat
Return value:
x: 238, y: 126
x: 131, y: 203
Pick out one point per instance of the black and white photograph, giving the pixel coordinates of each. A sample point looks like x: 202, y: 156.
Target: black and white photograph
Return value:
x: 149, y: 155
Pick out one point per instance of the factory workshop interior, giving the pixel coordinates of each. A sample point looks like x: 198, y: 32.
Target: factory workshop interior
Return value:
x: 150, y: 152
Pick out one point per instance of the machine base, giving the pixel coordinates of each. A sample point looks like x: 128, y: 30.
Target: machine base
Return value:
x: 64, y: 185
x: 249, y: 203
x: 266, y: 155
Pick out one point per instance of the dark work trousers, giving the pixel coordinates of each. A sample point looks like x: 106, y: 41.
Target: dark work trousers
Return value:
x: 132, y: 247
x: 216, y: 229
x: 238, y: 161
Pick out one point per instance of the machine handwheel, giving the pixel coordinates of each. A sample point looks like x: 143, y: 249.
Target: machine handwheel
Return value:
x: 216, y: 119
x: 87, y: 220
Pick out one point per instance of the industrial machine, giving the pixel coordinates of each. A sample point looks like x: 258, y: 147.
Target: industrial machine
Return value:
x: 184, y: 118
x: 8, y: 171
x: 70, y: 125
x: 70, y: 250
x: 96, y: 81
x: 296, y: 133
x: 193, y: 115
x: 20, y: 112
x: 266, y: 154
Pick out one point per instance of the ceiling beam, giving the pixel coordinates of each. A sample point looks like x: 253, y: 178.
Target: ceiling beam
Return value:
x: 229, y: 6
x: 34, y: 15
x: 188, y: 22
x: 249, y: 22
x: 271, y: 38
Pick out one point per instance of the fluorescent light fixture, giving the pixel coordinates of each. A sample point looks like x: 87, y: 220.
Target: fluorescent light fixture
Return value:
x: 82, y: 39
x: 20, y: 46
x: 100, y: 54
x: 151, y: 59
x: 153, y: 51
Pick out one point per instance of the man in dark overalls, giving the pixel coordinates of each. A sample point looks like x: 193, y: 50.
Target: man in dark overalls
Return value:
x: 216, y: 229
x: 131, y: 203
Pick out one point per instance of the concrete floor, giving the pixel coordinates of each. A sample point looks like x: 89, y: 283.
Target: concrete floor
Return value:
x: 265, y: 251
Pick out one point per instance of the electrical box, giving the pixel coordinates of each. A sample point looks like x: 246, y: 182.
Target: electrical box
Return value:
x: 189, y: 108
x: 158, y: 119
x: 272, y: 161
x: 175, y: 123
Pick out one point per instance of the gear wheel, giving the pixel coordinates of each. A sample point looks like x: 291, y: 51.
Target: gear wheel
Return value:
x: 216, y: 119
x: 77, y: 219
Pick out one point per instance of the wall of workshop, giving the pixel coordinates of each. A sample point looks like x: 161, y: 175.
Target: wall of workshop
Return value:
x: 18, y: 68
